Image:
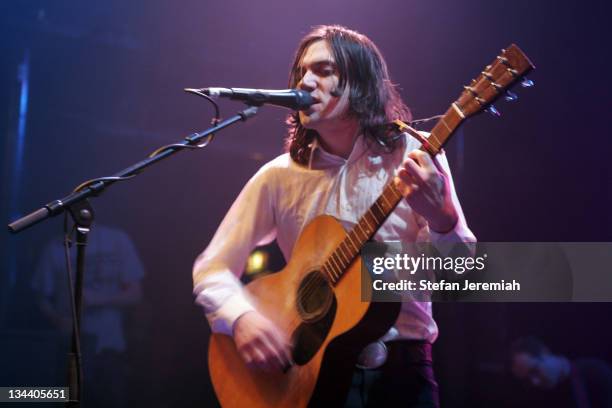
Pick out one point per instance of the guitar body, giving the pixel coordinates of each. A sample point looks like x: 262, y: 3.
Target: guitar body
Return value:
x: 328, y: 325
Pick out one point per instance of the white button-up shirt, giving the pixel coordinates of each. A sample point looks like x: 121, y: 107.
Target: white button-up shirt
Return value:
x: 283, y: 197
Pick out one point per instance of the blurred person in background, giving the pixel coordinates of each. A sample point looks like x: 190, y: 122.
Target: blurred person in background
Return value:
x: 112, y: 282
x: 564, y: 382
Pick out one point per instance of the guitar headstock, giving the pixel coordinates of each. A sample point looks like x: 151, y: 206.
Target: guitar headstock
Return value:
x: 508, y: 68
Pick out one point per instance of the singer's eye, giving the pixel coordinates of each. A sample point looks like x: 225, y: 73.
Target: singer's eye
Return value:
x: 325, y: 72
x: 324, y: 69
x: 321, y: 69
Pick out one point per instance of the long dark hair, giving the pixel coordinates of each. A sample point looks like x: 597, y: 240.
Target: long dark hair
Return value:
x: 373, y: 99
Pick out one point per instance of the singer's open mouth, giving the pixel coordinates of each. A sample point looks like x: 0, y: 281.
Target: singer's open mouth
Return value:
x: 311, y: 109
x: 316, y: 101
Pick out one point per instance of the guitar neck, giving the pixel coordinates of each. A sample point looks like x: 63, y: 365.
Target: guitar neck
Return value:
x: 443, y: 130
x: 493, y: 82
x: 370, y: 222
x: 344, y: 254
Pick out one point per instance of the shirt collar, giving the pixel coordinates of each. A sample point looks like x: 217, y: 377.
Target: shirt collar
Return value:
x: 322, y: 159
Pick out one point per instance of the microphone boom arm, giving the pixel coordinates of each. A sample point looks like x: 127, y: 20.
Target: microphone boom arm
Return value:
x: 97, y: 186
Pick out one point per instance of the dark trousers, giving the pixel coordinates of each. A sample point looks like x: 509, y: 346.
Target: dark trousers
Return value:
x: 405, y: 380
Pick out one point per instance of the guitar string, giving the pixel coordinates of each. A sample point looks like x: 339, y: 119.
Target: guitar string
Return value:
x: 392, y: 203
x: 334, y: 270
x: 312, y: 287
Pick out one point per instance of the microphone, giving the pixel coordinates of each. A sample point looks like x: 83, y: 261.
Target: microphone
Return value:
x: 287, y: 98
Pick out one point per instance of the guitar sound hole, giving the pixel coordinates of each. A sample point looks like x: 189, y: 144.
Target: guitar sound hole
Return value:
x: 314, y: 297
x: 316, y: 305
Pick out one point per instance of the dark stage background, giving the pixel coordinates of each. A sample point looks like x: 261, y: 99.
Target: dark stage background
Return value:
x: 105, y: 83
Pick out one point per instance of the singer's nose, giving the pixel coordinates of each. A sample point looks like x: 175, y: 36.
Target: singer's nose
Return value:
x: 308, y: 82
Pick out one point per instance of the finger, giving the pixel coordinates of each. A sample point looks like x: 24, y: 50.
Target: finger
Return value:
x: 278, y: 351
x: 423, y: 159
x: 267, y: 356
x: 279, y: 339
x: 254, y: 357
x: 438, y: 163
x: 406, y: 177
x: 263, y: 360
x: 249, y: 359
x: 417, y: 173
x: 407, y: 186
x: 281, y: 348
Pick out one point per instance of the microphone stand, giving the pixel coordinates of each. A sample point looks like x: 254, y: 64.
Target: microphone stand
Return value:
x: 82, y: 213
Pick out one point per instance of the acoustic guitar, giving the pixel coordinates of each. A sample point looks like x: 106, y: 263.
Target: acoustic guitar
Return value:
x: 316, y: 298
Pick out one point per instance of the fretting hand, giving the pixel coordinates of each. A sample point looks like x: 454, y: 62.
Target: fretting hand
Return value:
x: 428, y: 191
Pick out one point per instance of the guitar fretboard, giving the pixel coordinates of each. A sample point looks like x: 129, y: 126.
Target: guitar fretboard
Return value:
x: 503, y: 72
x: 344, y: 254
x: 364, y: 230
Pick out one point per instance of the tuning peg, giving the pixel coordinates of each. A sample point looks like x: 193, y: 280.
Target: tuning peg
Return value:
x: 493, y: 111
x: 510, y: 96
x: 527, y: 83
